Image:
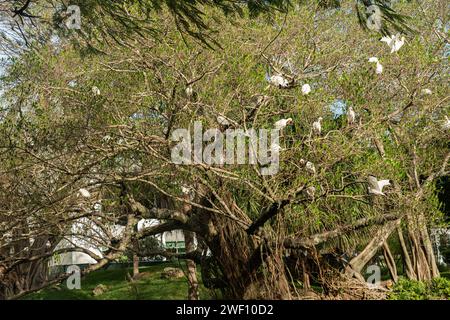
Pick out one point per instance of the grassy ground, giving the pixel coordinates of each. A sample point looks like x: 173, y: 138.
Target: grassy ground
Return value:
x: 151, y: 287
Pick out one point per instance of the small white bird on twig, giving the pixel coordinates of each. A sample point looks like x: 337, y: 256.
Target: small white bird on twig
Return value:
x: 281, y: 124
x: 376, y: 186
x: 95, y: 91
x: 351, y: 115
x: 84, y: 193
x: 185, y: 190
x: 395, y: 42
x: 189, y: 91
x: 306, y: 89
x: 317, y: 126
x: 223, y: 121
x: 309, y: 166
x: 279, y: 81
x: 427, y: 92
x: 379, y: 68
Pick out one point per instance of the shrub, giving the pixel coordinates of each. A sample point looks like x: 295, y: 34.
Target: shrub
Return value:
x: 405, y: 289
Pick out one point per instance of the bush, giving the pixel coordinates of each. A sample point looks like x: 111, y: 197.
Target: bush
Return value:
x: 405, y: 289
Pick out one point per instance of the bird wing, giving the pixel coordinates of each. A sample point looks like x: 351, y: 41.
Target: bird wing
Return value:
x: 280, y: 123
x: 383, y: 183
x: 373, y: 183
x: 379, y: 68
x: 386, y: 39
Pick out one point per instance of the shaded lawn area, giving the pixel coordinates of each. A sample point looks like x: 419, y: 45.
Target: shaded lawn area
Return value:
x: 150, y: 287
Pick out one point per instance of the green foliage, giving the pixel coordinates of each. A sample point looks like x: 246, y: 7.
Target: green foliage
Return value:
x: 405, y: 289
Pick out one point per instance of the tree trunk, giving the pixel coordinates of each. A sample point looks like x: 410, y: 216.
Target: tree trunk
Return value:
x: 409, y: 269
x: 306, y: 282
x: 423, y: 260
x: 193, y: 293
x: 250, y: 269
x: 135, y: 265
x: 357, y: 264
x: 390, y: 262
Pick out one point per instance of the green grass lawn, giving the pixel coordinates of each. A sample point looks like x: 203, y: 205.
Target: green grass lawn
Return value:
x: 151, y: 287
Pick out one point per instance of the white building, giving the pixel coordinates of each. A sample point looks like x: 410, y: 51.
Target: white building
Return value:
x: 88, y: 235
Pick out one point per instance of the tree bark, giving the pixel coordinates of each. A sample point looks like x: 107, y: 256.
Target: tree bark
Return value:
x: 409, y: 269
x: 390, y: 262
x: 251, y: 269
x: 193, y: 293
x: 357, y: 264
x: 135, y: 265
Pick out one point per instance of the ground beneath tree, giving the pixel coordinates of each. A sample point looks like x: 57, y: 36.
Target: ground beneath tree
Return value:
x: 148, y: 287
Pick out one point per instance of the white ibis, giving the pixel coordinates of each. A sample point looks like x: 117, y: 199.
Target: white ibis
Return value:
x: 351, y: 115
x: 84, y: 193
x: 376, y: 186
x: 97, y: 207
x: 223, y: 121
x: 379, y: 68
x: 395, y: 42
x: 95, y: 91
x: 185, y: 190
x: 306, y: 88
x: 317, y: 126
x: 280, y: 124
x: 279, y: 81
x: 309, y: 166
x: 106, y: 138
x: 189, y: 91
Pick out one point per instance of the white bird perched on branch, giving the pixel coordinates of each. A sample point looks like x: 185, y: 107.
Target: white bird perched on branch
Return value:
x: 376, y: 186
x: 351, y: 115
x: 427, y: 91
x: 309, y: 166
x: 223, y: 121
x: 446, y: 124
x: 84, y: 193
x: 395, y: 42
x: 306, y: 88
x: 95, y: 91
x: 379, y: 68
x: 185, y: 190
x: 317, y: 126
x: 279, y: 81
x: 189, y: 91
x: 280, y: 124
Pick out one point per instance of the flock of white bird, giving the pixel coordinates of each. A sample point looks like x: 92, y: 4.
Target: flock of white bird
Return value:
x: 395, y: 42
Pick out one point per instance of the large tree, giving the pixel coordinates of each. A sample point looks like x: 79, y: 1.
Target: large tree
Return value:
x: 103, y: 122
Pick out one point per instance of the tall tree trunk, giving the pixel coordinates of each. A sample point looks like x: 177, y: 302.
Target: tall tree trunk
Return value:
x: 424, y: 262
x: 428, y: 246
x: 409, y: 268
x: 357, y: 264
x: 193, y: 293
x: 251, y: 270
x: 135, y: 265
x: 390, y: 262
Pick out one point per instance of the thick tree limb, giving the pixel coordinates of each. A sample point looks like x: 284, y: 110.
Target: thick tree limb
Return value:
x: 319, y: 238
